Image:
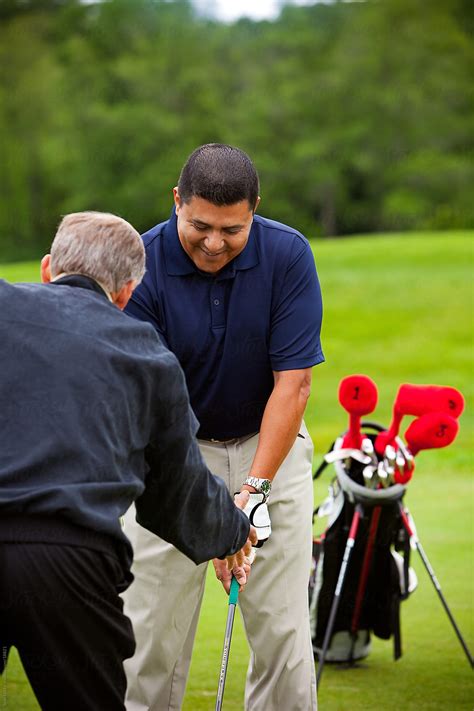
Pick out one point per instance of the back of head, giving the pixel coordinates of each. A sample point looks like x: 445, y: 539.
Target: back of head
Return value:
x: 99, y: 245
x: 220, y: 174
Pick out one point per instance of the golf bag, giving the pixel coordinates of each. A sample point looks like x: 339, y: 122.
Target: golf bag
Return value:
x: 378, y: 575
x: 361, y: 565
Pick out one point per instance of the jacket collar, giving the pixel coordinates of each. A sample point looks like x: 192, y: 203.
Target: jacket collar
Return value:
x: 82, y: 281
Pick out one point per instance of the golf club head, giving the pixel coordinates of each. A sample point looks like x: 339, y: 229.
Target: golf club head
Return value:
x: 346, y: 453
x: 431, y: 431
x: 420, y: 399
x: 358, y: 396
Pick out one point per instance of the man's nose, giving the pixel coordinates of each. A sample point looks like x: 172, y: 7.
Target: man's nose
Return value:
x: 213, y: 241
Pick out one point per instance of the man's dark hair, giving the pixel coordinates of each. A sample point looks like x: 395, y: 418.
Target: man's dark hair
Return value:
x: 220, y: 174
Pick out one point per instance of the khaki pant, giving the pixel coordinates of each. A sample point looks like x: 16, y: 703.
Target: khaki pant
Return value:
x: 165, y: 599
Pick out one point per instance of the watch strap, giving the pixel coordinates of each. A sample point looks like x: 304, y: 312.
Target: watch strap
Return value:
x: 260, y: 484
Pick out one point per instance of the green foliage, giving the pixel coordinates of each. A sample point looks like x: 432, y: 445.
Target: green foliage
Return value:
x: 398, y: 308
x: 358, y: 115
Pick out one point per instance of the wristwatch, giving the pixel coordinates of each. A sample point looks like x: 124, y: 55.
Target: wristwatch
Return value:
x: 263, y: 486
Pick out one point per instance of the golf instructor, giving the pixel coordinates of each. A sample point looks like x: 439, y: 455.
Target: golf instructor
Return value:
x: 94, y: 414
x: 236, y: 298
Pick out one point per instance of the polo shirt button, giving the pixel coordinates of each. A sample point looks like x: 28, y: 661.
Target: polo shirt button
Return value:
x: 216, y: 302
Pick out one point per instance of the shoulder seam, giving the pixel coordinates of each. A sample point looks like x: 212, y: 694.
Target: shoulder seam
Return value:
x: 280, y: 227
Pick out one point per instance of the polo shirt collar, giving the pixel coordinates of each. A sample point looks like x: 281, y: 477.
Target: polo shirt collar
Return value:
x: 178, y: 263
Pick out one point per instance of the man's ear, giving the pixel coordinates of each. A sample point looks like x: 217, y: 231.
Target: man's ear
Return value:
x: 176, y: 198
x: 46, y: 269
x: 256, y: 204
x: 122, y: 297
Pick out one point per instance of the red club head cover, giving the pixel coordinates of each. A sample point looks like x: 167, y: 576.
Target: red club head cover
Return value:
x: 421, y: 399
x: 382, y: 440
x: 358, y: 394
x: 431, y: 431
x: 405, y: 476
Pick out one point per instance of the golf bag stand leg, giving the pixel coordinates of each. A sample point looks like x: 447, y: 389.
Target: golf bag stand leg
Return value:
x: 434, y: 580
x: 358, y: 513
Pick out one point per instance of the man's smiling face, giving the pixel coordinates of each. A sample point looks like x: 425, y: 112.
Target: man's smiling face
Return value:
x: 212, y: 235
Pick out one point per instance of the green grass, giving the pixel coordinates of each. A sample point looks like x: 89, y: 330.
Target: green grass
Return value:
x: 398, y: 308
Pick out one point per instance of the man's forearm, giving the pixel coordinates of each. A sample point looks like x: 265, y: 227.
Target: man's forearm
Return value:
x: 281, y: 422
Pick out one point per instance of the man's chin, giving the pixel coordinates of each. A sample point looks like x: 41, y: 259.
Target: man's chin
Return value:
x: 212, y: 265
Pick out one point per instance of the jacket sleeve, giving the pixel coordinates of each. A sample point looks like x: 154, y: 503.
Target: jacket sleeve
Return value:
x: 183, y: 502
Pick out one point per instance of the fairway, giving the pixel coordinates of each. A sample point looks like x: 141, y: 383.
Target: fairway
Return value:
x: 398, y: 308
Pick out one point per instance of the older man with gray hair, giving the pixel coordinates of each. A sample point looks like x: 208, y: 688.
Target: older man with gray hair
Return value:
x: 94, y: 415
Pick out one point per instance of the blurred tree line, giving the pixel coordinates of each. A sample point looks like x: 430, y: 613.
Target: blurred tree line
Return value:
x: 359, y: 116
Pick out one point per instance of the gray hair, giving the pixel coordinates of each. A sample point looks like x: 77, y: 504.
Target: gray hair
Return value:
x: 99, y: 245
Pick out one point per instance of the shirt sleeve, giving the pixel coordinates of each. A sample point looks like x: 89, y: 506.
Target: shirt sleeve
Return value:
x: 297, y: 314
x: 183, y: 502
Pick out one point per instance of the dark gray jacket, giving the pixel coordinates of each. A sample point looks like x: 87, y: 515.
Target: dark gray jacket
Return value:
x: 94, y: 414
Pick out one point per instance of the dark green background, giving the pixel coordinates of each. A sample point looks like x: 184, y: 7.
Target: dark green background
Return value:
x: 358, y: 115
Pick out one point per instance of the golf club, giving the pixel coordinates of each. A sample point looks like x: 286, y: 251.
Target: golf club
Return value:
x: 419, y: 400
x: 358, y: 396
x: 431, y: 431
x: 233, y: 601
x: 404, y: 461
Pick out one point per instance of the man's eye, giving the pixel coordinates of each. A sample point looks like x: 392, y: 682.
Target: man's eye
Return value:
x: 199, y: 228
x: 232, y: 231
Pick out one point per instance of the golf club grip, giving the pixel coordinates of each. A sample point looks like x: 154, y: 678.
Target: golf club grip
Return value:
x: 234, y: 592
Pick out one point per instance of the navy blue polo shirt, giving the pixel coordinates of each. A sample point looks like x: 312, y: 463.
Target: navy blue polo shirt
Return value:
x: 261, y: 313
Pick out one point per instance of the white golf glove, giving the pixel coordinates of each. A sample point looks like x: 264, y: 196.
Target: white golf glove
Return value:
x: 257, y: 512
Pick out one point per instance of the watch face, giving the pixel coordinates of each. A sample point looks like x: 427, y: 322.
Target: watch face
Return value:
x: 265, y: 486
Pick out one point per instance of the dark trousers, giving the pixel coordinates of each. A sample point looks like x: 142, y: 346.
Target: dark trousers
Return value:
x: 60, y: 608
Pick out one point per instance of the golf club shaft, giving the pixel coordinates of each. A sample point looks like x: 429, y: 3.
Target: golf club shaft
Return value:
x: 358, y: 511
x: 435, y: 582
x: 233, y: 598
